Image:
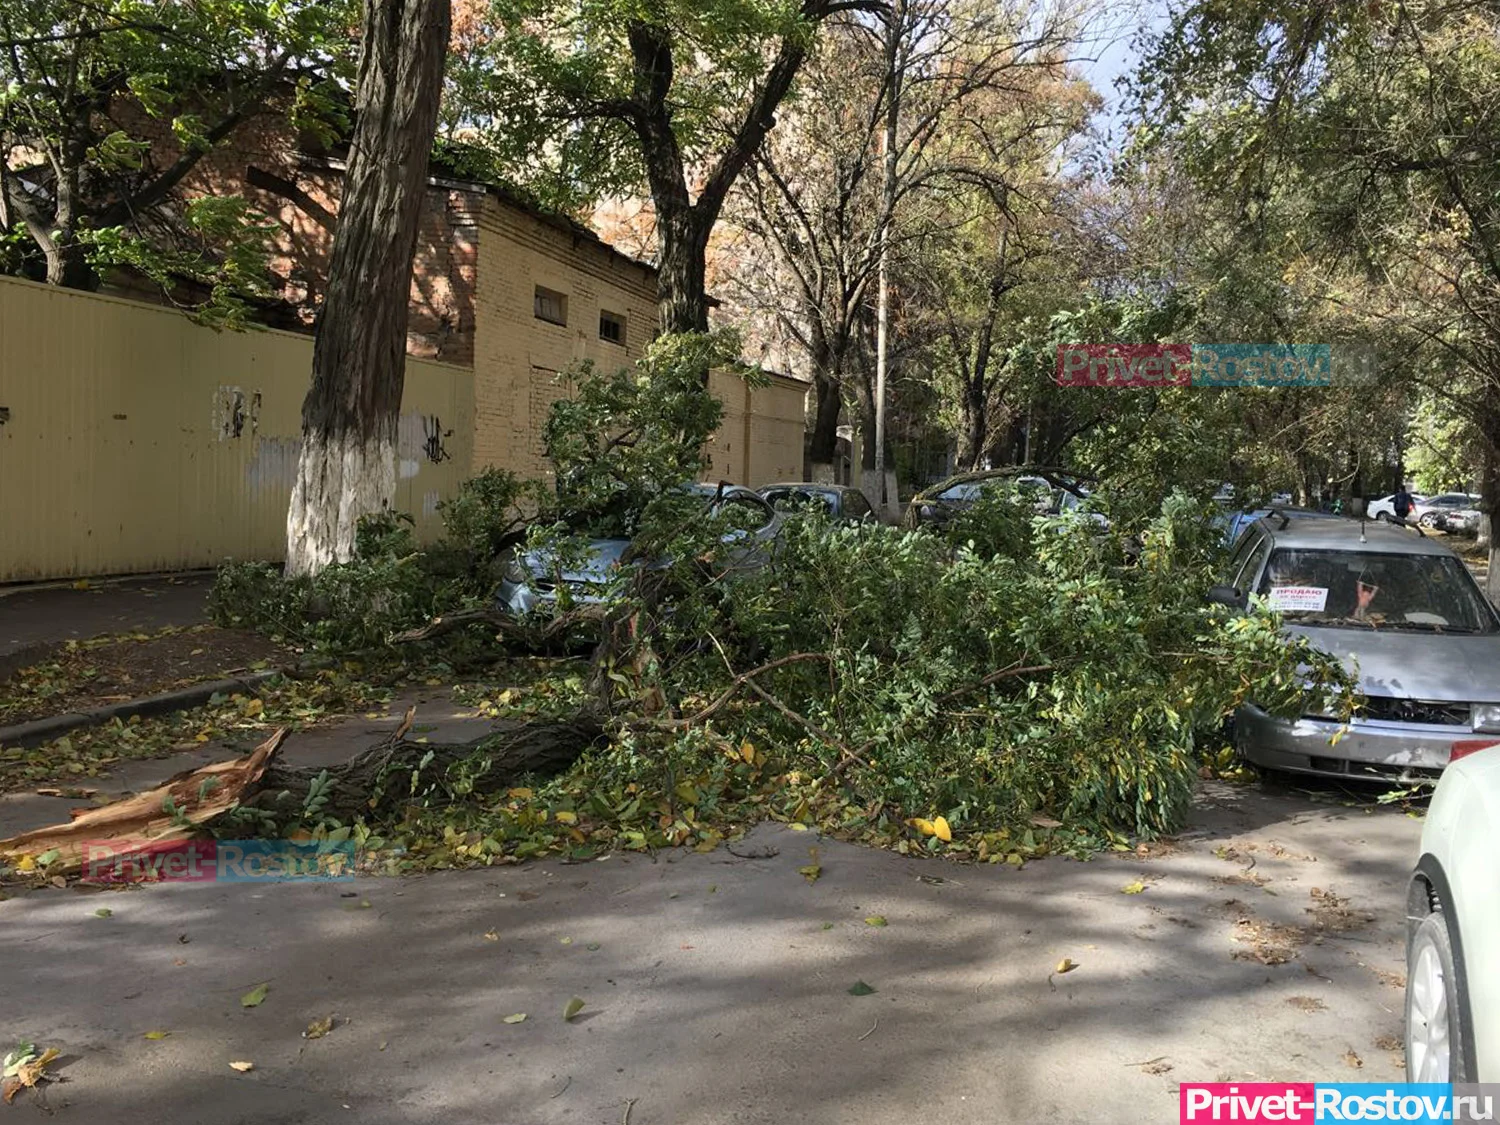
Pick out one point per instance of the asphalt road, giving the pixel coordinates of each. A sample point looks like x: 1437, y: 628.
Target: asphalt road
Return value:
x: 716, y: 988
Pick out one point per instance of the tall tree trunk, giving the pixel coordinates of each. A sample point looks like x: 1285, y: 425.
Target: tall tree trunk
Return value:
x: 974, y: 435
x: 347, y: 468
x: 823, y: 445
x: 1489, y: 492
x: 681, y: 280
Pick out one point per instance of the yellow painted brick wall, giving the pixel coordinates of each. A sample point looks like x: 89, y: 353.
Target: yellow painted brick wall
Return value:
x: 520, y: 360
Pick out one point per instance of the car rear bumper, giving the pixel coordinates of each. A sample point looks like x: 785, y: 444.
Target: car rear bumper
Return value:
x: 1373, y: 749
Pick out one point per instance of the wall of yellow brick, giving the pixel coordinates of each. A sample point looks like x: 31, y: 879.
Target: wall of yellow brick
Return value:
x: 134, y: 440
x: 520, y: 362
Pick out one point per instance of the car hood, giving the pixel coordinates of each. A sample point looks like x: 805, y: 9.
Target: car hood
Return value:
x: 602, y: 557
x: 1428, y: 666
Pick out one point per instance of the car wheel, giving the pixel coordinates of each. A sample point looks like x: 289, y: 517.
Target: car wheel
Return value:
x: 1381, y: 517
x: 1435, y: 1033
x: 1427, y: 519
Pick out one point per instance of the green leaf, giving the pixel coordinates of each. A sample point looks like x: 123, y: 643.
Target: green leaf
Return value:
x: 875, y: 920
x: 575, y: 1006
x: 860, y: 988
x: 103, y: 912
x: 255, y: 997
x: 518, y: 1017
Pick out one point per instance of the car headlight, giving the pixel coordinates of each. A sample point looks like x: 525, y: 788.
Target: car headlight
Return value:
x: 1487, y: 717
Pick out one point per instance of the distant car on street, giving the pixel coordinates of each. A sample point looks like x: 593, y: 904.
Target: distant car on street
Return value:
x: 1385, y: 507
x: 1400, y: 611
x: 1051, y: 490
x: 1453, y: 925
x: 840, y: 502
x: 1429, y: 511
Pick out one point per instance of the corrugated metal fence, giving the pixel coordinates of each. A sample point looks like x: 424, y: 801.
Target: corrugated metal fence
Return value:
x: 132, y: 439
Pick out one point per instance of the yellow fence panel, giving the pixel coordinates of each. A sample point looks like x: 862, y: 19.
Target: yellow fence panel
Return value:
x: 132, y: 439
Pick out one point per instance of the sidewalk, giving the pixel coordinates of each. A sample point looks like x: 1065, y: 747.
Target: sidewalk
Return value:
x: 31, y: 618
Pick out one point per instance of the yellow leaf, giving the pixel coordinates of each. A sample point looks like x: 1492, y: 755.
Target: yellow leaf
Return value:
x: 811, y: 872
x: 1134, y: 888
x: 520, y: 794
x: 318, y: 1028
x: 941, y: 830
x: 1066, y: 965
x: 747, y: 752
x: 26, y: 863
x: 518, y: 1017
x: 157, y: 1034
x: 242, y: 1065
x: 575, y: 1006
x: 565, y: 817
x: 926, y: 827
x: 255, y: 707
x: 491, y: 935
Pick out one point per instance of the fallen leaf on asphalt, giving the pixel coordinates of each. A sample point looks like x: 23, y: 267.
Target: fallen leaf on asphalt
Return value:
x: 491, y: 935
x: 1066, y: 965
x: 828, y: 925
x: 1307, y: 1003
x: 941, y: 830
x: 25, y: 1069
x: 811, y: 872
x: 242, y: 1065
x: 1134, y: 888
x: 593, y: 945
x: 519, y: 1017
x: 575, y: 1006
x: 1353, y: 1060
x: 318, y: 1028
x: 1388, y: 1043
x: 565, y: 941
x: 255, y: 997
x: 26, y: 863
x: 156, y: 1034
x: 860, y: 988
x: 103, y: 912
x: 179, y: 961
x: 875, y: 920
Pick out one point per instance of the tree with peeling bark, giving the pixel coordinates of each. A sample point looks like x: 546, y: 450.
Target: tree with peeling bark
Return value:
x: 108, y: 107
x: 347, y: 467
x: 677, y: 95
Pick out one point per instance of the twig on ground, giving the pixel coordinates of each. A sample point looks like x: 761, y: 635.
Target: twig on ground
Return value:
x: 869, y: 1033
x: 629, y: 1105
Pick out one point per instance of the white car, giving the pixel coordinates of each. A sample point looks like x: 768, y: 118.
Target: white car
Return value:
x: 1453, y: 926
x: 1385, y: 509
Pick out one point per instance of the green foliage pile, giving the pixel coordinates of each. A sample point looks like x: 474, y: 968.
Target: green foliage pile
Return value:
x: 1014, y: 684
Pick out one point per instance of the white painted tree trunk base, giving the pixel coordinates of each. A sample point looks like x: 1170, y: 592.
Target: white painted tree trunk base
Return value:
x: 339, y: 480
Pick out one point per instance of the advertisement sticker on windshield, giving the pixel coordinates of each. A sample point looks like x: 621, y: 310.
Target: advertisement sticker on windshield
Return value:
x: 1305, y: 598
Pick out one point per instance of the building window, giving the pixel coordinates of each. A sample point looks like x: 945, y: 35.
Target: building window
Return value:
x: 611, y: 327
x: 550, y: 305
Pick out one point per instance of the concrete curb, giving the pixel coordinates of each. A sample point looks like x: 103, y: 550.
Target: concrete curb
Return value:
x: 38, y: 731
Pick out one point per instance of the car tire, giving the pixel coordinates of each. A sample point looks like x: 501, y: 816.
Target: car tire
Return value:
x: 1381, y: 517
x: 1427, y: 519
x: 1437, y: 1034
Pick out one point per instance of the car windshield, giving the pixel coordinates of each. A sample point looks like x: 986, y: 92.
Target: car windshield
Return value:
x: 967, y: 491
x: 791, y: 499
x: 1375, y: 590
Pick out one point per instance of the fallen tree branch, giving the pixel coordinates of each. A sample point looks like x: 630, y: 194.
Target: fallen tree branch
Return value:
x: 738, y: 682
x: 504, y: 622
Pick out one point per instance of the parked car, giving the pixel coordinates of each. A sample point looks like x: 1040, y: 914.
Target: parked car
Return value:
x: 1404, y: 614
x: 530, y: 578
x: 1428, y: 511
x: 1051, y: 490
x: 1385, y: 507
x: 1458, y: 521
x: 1236, y: 523
x: 841, y: 502
x: 1453, y: 926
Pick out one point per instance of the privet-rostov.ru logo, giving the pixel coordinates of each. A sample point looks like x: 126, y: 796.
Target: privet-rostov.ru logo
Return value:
x: 1251, y: 1103
x: 194, y: 861
x: 1197, y: 365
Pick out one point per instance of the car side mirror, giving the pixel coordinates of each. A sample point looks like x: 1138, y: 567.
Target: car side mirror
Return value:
x: 1226, y: 595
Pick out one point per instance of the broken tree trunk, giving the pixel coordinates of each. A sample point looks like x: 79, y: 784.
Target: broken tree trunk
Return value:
x: 380, y: 780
